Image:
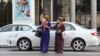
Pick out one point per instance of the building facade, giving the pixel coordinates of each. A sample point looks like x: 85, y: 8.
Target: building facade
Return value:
x: 84, y: 12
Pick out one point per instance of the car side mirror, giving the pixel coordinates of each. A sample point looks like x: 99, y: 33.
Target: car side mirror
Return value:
x: 0, y: 29
x: 34, y: 30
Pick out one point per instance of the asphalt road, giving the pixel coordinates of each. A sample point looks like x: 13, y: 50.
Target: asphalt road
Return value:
x: 90, y: 51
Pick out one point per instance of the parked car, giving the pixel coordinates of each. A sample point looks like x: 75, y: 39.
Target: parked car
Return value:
x: 75, y: 36
x: 13, y: 30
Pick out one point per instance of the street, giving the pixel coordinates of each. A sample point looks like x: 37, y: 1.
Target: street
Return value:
x: 89, y: 51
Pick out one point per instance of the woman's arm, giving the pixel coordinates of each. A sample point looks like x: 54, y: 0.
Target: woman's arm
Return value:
x: 63, y: 28
x: 47, y: 24
x: 55, y: 26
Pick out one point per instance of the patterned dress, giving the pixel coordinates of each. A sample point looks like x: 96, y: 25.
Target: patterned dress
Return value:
x: 45, y: 36
x: 59, y: 41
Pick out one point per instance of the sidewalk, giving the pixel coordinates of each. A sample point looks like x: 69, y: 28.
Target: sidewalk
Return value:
x: 2, y: 45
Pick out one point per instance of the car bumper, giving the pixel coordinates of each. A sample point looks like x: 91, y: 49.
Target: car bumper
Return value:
x: 94, y: 41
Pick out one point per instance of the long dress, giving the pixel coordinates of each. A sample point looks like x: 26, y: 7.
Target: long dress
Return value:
x: 59, y: 41
x: 45, y: 36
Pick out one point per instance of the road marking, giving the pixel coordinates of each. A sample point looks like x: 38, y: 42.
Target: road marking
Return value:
x: 50, y: 52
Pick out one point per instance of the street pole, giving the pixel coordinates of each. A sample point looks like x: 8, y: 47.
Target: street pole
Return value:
x: 51, y: 10
x: 32, y: 11
x: 93, y: 14
x: 72, y: 10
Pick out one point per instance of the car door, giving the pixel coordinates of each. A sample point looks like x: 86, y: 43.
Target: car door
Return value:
x: 69, y: 34
x: 52, y: 37
x: 5, y: 33
x: 26, y: 31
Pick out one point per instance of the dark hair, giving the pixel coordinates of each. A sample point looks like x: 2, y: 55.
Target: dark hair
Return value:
x: 61, y: 19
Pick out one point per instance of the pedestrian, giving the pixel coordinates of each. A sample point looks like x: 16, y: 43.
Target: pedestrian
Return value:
x: 45, y: 35
x: 59, y: 41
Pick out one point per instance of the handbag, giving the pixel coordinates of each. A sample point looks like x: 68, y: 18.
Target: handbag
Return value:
x: 38, y: 32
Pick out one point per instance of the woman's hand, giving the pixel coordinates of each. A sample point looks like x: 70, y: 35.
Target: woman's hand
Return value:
x: 63, y: 34
x: 47, y: 26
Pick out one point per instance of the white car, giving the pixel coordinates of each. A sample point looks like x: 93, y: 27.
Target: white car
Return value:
x: 11, y: 30
x: 23, y: 36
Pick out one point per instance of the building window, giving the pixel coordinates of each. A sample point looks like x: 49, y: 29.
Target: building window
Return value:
x: 37, y: 7
x: 98, y: 6
x: 83, y: 12
x: 61, y: 8
x: 98, y: 15
x: 5, y: 12
x: 42, y: 7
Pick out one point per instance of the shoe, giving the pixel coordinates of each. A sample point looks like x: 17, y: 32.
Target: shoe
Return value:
x: 44, y: 52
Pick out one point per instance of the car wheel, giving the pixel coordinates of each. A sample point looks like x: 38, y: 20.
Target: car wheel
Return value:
x: 78, y: 45
x: 24, y: 44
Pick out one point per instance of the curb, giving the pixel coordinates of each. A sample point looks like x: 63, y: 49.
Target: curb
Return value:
x: 5, y: 46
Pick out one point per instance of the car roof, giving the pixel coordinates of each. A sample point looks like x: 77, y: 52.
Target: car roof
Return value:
x: 32, y: 25
x: 20, y: 24
x: 64, y: 22
x: 37, y: 26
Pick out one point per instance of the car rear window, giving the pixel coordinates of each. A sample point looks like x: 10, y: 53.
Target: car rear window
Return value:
x: 67, y: 26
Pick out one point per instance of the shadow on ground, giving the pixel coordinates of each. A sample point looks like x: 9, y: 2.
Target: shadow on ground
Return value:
x: 52, y: 50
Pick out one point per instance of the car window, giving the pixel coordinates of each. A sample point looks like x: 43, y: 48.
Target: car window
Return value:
x: 52, y: 26
x: 17, y: 28
x: 25, y: 28
x: 8, y: 28
x: 69, y: 27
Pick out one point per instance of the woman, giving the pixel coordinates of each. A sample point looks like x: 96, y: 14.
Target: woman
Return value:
x: 45, y: 35
x: 59, y: 41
